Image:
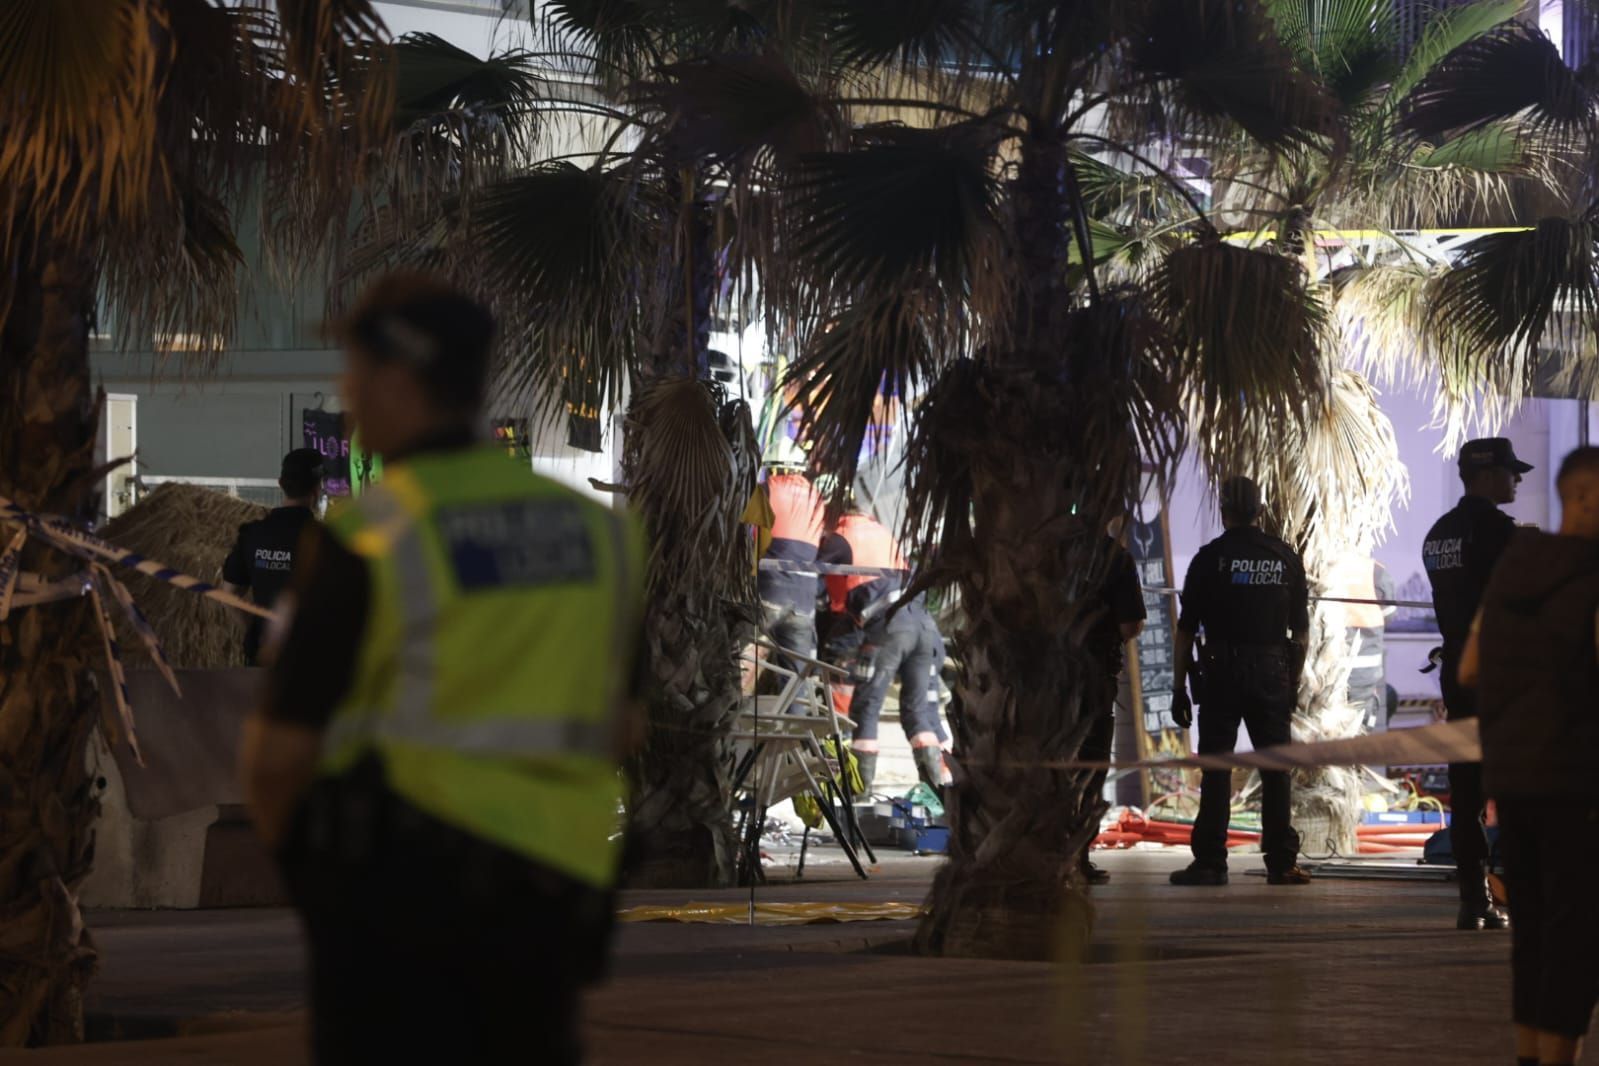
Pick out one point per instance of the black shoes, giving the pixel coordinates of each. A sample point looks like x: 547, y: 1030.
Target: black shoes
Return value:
x: 1094, y: 875
x: 1293, y: 875
x: 1196, y: 874
x: 1476, y: 917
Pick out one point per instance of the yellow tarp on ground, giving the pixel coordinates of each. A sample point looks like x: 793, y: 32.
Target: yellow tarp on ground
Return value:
x: 774, y: 913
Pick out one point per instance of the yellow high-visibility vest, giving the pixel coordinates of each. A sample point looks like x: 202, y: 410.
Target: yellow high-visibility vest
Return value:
x: 492, y: 677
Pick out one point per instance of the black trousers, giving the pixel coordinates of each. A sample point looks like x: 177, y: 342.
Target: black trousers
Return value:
x: 1551, y: 853
x: 1257, y: 692
x: 1468, y: 839
x: 429, y: 945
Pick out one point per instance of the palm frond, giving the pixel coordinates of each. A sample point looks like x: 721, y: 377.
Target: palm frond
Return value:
x: 1513, y: 71
x: 854, y: 360
x: 1380, y: 316
x: 79, y: 97
x: 732, y: 107
x: 1448, y: 29
x: 563, y: 250
x: 1222, y: 62
x: 867, y: 33
x: 1348, y: 44
x: 431, y: 75
x: 1249, y: 334
x: 622, y: 36
x: 686, y: 477
x: 1508, y: 295
x: 907, y: 208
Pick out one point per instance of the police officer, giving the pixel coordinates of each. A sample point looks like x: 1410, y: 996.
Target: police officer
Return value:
x: 788, y: 597
x: 1246, y: 591
x: 436, y: 764
x: 1536, y: 667
x: 262, y: 558
x: 902, y: 645
x: 1120, y: 619
x: 1459, y: 553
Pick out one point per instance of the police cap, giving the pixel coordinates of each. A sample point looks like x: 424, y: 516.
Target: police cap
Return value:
x: 1485, y: 453
x: 302, y: 465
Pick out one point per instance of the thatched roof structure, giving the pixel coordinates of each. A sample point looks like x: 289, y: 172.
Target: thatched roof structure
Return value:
x: 191, y: 529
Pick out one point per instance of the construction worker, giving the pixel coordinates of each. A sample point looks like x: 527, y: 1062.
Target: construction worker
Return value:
x: 1533, y: 660
x: 436, y: 763
x: 899, y: 645
x: 788, y: 598
x: 1247, y: 591
x: 262, y: 558
x: 1459, y: 553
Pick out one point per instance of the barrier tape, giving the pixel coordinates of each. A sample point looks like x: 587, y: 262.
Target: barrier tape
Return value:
x: 19, y: 589
x: 789, y: 566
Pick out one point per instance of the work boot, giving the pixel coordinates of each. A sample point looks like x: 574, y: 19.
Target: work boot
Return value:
x: 1477, y: 910
x: 930, y: 767
x: 1094, y: 875
x: 1200, y: 874
x: 1478, y: 917
x: 867, y: 762
x: 1292, y: 875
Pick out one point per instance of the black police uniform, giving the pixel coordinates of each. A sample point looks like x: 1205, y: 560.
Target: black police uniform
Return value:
x: 1459, y: 553
x: 1246, y: 589
x: 262, y: 560
x: 1121, y: 601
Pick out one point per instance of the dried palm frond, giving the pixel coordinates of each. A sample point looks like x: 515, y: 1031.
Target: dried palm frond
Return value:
x: 681, y: 468
x: 191, y: 529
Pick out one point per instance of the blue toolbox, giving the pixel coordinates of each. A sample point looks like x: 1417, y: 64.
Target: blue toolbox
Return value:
x: 917, y: 831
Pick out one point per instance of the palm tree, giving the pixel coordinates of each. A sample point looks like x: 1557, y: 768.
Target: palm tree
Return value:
x: 1514, y: 299
x: 963, y: 257
x: 136, y: 134
x: 610, y: 273
x: 1334, y: 476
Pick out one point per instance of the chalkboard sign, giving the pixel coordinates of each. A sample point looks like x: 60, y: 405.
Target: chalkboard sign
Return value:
x: 1151, y: 550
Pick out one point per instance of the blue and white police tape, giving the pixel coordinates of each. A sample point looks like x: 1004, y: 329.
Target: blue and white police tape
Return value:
x: 89, y: 547
x: 19, y: 589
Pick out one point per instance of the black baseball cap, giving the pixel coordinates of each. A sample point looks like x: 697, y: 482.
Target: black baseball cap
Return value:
x: 1485, y: 453
x: 302, y: 464
x: 1239, y: 496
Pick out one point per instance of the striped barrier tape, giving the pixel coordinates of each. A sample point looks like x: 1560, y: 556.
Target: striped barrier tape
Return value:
x: 789, y: 566
x: 21, y: 589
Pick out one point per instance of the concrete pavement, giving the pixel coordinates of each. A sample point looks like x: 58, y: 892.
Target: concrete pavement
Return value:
x: 1359, y: 972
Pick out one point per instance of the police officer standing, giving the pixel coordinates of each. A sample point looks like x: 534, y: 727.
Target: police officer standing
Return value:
x: 1459, y: 554
x: 1246, y: 591
x: 1121, y: 619
x: 262, y: 558
x: 436, y: 764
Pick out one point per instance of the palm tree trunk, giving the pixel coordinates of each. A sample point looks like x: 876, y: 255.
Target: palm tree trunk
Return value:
x: 1029, y: 687
x: 680, y: 824
x: 48, y: 701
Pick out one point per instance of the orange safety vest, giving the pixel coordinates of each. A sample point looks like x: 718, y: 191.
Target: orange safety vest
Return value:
x: 870, y: 544
x: 796, y: 508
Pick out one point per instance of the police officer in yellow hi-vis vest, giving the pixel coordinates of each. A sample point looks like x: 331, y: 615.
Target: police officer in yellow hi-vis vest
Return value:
x: 436, y: 763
